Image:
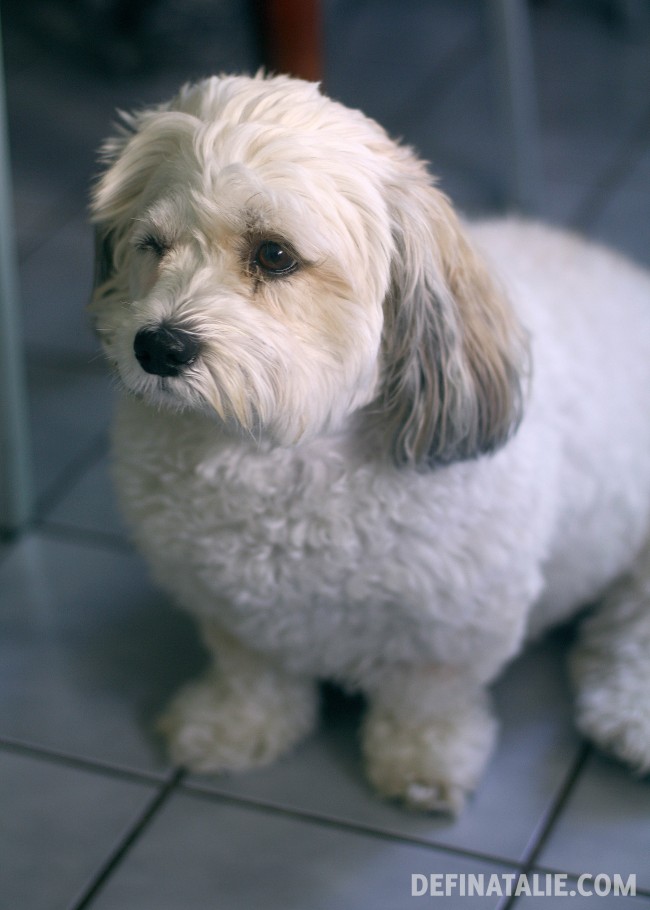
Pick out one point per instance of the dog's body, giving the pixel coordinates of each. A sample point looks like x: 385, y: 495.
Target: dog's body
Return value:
x: 368, y: 503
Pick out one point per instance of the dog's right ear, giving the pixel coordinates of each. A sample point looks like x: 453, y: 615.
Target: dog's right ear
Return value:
x: 112, y: 197
x: 133, y: 156
x: 130, y: 161
x: 104, y: 268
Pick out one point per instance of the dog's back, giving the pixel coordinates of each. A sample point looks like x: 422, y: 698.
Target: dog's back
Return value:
x: 588, y: 313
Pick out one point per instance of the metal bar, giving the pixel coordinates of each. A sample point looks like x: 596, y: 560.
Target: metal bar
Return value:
x: 16, y: 497
x: 510, y: 26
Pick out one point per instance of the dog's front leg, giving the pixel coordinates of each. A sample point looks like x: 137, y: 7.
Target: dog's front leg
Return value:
x: 427, y: 736
x: 244, y: 713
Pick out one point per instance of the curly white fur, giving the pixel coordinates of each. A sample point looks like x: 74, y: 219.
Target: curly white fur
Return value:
x: 387, y: 465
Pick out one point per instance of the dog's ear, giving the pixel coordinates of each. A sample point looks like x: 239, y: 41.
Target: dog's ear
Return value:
x: 129, y: 162
x: 454, y: 356
x: 129, y: 159
x: 116, y: 190
x: 104, y: 267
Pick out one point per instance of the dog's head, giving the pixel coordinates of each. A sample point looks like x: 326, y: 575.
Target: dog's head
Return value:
x: 269, y: 255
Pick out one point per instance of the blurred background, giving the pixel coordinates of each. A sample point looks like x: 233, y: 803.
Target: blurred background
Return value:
x: 541, y: 107
x: 434, y: 72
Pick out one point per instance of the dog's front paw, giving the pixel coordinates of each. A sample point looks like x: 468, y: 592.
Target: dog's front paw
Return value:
x: 216, y: 725
x: 431, y: 765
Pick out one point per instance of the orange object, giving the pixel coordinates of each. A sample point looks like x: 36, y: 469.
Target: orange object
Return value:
x: 291, y: 37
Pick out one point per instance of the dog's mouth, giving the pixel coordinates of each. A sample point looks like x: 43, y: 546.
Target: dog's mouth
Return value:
x: 160, y: 391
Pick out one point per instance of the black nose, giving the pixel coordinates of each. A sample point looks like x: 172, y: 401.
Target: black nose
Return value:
x: 164, y: 350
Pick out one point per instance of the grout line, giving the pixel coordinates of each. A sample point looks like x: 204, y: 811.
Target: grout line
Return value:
x: 40, y: 354
x: 552, y: 816
x: 176, y: 777
x: 340, y: 824
x: 574, y: 876
x: 558, y: 805
x: 43, y: 753
x: 121, y: 851
x: 62, y: 212
x: 84, y: 536
x: 7, y: 540
x: 68, y: 477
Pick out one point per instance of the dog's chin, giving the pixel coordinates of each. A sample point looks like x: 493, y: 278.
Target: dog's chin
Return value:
x: 165, y: 396
x: 171, y: 393
x: 161, y: 395
x: 189, y: 395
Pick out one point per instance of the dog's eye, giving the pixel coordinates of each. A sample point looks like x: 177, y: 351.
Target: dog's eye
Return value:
x: 274, y: 258
x: 149, y: 243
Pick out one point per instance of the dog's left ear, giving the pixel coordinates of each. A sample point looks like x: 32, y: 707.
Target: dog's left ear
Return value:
x: 454, y: 355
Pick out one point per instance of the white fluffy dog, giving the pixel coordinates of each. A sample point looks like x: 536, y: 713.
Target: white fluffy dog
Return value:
x: 364, y: 442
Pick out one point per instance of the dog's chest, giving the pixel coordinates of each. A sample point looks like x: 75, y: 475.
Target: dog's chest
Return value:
x: 329, y: 563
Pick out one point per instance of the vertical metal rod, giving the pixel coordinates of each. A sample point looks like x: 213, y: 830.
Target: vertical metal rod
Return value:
x: 515, y: 80
x: 16, y: 498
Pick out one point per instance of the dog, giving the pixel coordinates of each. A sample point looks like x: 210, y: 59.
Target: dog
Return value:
x: 364, y: 441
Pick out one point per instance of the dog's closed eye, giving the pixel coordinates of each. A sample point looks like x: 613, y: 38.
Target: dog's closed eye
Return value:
x: 152, y: 243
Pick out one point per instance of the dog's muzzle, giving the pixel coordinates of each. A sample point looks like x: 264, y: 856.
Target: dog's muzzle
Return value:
x: 164, y: 350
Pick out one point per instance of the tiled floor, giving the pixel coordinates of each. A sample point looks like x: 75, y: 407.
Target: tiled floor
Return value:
x: 91, y: 814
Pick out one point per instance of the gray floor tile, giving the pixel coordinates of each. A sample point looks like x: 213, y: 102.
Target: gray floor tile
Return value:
x: 39, y: 211
x: 536, y: 749
x: 605, y: 827
x: 91, y: 504
x: 70, y: 404
x: 566, y: 902
x: 199, y: 855
x: 56, y: 284
x: 89, y: 653
x: 58, y: 826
